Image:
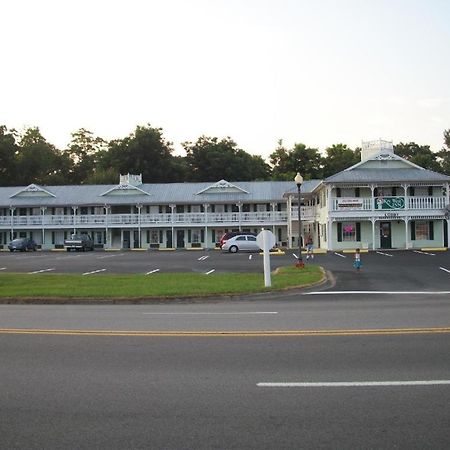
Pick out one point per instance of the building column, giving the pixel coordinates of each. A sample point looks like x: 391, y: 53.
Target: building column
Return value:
x: 11, y: 210
x: 289, y: 222
x: 139, y: 207
x: 43, y: 209
x: 205, y: 212
x: 373, y: 220
x: 406, y: 219
x: 172, y: 221
x: 74, y: 210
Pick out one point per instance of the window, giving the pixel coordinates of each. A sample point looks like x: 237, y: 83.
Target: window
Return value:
x: 422, y: 230
x: 348, y: 231
x: 154, y: 237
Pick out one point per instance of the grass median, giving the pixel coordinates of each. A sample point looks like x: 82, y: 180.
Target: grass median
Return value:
x: 156, y: 285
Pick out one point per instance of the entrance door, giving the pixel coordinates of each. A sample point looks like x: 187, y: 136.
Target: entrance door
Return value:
x: 169, y: 239
x: 126, y: 239
x: 385, y: 235
x: 180, y: 238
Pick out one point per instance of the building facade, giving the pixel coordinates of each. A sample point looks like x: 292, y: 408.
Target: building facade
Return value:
x: 382, y: 202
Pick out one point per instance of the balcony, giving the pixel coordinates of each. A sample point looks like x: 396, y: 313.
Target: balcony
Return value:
x: 144, y: 220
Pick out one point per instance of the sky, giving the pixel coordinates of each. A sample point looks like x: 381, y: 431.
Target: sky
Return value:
x: 318, y: 72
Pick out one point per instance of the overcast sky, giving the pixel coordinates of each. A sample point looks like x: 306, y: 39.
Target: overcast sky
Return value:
x: 318, y: 72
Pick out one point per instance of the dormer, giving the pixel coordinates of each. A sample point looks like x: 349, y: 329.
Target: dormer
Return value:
x: 222, y: 187
x: 32, y: 190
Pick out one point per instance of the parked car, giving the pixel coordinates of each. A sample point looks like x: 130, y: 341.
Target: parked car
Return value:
x: 242, y: 242
x: 79, y: 242
x: 22, y: 245
x: 231, y: 234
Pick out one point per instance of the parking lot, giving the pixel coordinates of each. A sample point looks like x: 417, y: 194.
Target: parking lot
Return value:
x: 391, y: 270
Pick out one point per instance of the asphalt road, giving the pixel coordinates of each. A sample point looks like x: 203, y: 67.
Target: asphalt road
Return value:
x: 258, y: 373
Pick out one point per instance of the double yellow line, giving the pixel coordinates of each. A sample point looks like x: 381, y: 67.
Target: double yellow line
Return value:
x: 281, y: 333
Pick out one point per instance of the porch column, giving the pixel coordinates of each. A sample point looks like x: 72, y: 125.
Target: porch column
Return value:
x: 74, y: 210
x: 139, y: 207
x: 406, y: 232
x: 43, y: 208
x: 172, y: 221
x: 205, y: 213
x: 273, y: 206
x: 373, y: 220
x: 239, y: 205
x: 106, y: 208
x: 11, y: 210
x: 289, y: 222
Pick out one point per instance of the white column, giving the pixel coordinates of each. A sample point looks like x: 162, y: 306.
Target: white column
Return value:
x: 373, y: 220
x: 139, y: 207
x: 406, y: 232
x: 74, y: 209
x: 43, y: 208
x: 11, y: 210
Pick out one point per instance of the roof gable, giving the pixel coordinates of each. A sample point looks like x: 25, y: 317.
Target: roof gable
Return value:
x: 33, y: 190
x: 122, y: 190
x: 222, y: 187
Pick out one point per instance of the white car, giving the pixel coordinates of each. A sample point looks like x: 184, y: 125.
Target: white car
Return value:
x: 243, y: 243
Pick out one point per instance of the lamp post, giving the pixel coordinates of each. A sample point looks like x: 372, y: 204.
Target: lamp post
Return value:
x: 298, y: 181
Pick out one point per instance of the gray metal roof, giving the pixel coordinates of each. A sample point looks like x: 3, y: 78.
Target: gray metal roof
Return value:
x: 361, y: 175
x: 160, y: 193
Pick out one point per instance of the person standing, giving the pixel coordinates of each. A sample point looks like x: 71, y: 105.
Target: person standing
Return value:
x: 357, y: 263
x: 309, y: 247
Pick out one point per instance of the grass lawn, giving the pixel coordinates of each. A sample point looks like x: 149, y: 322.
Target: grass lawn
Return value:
x: 68, y: 286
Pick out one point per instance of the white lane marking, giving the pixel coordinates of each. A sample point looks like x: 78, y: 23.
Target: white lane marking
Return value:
x: 384, y: 254
x: 424, y: 253
x: 40, y: 271
x: 338, y: 254
x: 250, y: 257
x: 378, y: 292
x: 209, y: 313
x: 211, y: 271
x: 358, y: 383
x: 94, y: 271
x: 109, y: 256
x: 442, y: 268
x: 294, y: 255
x: 152, y: 271
x: 2, y: 268
x: 202, y: 258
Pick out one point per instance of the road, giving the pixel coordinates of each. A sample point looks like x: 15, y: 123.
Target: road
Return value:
x: 260, y: 373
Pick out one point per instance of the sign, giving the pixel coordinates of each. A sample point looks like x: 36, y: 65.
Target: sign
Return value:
x: 349, y: 203
x: 266, y: 240
x: 390, y: 203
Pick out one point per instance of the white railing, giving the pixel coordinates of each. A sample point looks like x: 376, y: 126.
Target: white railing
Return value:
x: 307, y: 212
x: 426, y: 202
x: 166, y: 219
x: 368, y: 204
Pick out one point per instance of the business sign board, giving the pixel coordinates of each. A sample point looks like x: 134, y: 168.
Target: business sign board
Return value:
x: 390, y: 203
x: 345, y: 204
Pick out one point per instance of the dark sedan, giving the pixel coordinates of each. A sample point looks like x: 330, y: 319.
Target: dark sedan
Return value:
x: 22, y: 245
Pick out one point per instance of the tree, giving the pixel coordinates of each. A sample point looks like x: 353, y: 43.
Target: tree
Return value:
x: 286, y: 163
x: 418, y: 154
x: 211, y: 159
x: 339, y: 157
x: 143, y: 152
x: 8, y: 150
x: 40, y: 162
x: 444, y: 155
x: 84, y: 150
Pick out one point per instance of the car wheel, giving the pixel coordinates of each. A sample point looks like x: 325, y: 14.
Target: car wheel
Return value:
x: 233, y: 249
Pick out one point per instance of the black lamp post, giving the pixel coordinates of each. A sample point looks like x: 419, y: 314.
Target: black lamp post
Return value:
x: 298, y: 181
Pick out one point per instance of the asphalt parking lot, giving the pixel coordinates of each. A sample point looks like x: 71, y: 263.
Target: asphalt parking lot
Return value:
x: 411, y: 270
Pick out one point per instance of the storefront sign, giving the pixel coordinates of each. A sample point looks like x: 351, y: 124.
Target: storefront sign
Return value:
x: 390, y: 203
x: 349, y: 203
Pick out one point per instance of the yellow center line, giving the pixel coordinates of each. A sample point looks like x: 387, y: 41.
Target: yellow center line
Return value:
x: 280, y: 333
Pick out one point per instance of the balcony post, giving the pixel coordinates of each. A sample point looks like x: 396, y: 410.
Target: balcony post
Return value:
x: 43, y: 209
x: 11, y: 210
x: 74, y: 210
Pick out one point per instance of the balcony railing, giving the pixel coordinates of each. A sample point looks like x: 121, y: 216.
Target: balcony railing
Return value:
x: 387, y: 203
x: 166, y: 219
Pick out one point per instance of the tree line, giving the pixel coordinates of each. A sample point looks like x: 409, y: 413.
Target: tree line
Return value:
x: 27, y: 157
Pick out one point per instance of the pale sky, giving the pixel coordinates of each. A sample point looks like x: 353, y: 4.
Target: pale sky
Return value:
x: 320, y: 72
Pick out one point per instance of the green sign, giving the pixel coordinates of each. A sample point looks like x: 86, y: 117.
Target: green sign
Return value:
x: 390, y: 203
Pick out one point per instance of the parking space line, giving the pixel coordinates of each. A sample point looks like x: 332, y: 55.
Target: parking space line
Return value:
x: 424, y: 253
x: 152, y: 271
x: 384, y: 254
x: 2, y: 268
x: 357, y: 383
x: 250, y: 257
x: 40, y: 271
x: 211, y: 271
x: 442, y: 268
x: 338, y: 254
x: 94, y: 271
x: 202, y: 258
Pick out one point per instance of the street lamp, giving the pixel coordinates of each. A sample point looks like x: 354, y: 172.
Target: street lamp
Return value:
x: 298, y: 181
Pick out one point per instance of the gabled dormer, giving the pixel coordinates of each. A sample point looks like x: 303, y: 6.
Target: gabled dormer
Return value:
x: 222, y: 187
x: 128, y: 185
x: 32, y: 190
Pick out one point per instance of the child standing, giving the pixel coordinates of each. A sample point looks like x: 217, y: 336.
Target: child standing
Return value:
x: 357, y: 264
x: 309, y: 247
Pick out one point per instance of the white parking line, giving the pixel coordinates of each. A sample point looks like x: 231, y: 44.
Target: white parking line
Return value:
x: 338, y: 254
x: 152, y: 271
x: 109, y: 256
x: 243, y: 313
x: 202, y: 258
x: 40, y: 271
x: 250, y: 257
x: 94, y: 271
x: 384, y: 254
x: 211, y: 271
x: 442, y: 268
x: 358, y: 383
x: 2, y: 268
x: 378, y: 292
x: 424, y: 253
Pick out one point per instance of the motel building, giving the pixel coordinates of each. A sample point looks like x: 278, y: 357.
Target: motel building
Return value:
x: 383, y: 202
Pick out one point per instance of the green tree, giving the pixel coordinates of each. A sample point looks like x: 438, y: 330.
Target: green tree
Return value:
x: 39, y: 161
x: 339, y: 157
x: 286, y: 163
x: 444, y: 155
x: 84, y: 150
x: 8, y: 150
x: 143, y: 152
x: 211, y: 159
x: 418, y: 154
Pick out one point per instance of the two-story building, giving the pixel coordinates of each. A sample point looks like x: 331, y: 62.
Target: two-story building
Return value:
x: 382, y: 202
